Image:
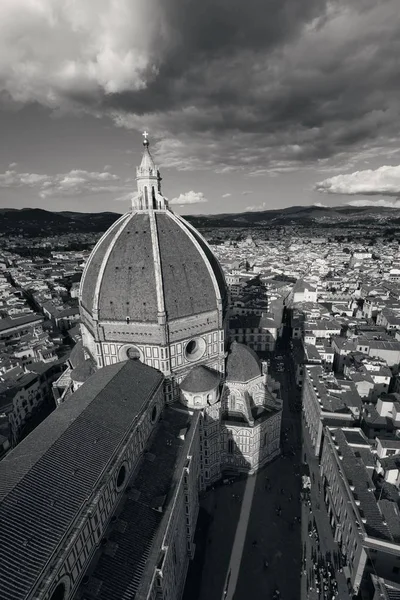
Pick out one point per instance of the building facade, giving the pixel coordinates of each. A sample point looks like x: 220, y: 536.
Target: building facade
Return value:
x: 365, y: 523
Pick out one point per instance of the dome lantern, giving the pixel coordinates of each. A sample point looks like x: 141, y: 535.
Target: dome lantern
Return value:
x: 149, y: 196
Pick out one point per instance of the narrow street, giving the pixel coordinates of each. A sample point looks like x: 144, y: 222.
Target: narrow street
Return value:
x: 257, y: 540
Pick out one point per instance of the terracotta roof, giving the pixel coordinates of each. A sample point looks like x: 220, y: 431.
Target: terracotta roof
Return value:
x: 11, y: 322
x: 200, y: 379
x: 47, y: 478
x: 83, y: 372
x: 357, y: 476
x: 125, y: 263
x: 77, y: 356
x: 242, y: 363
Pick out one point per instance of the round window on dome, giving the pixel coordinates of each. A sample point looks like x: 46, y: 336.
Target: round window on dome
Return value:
x: 133, y: 353
x: 195, y: 349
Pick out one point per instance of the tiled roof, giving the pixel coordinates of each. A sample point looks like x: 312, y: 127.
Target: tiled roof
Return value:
x: 47, y: 478
x: 83, y: 372
x: 357, y: 476
x: 242, y: 363
x: 389, y: 443
x: 120, y: 572
x: 188, y: 287
x: 390, y: 462
x: 128, y: 277
x: 9, y: 322
x: 334, y: 395
x: 201, y: 379
x: 355, y: 436
x: 77, y: 356
x: 391, y: 514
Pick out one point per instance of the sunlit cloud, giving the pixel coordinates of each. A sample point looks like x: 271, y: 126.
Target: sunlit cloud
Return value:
x: 383, y: 181
x: 189, y: 198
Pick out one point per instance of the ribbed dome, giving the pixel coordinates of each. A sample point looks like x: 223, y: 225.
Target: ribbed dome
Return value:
x: 151, y: 263
x: 200, y: 379
x: 242, y: 363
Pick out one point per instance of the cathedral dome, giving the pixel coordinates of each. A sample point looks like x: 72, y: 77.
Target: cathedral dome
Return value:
x: 200, y: 379
x: 146, y: 265
x: 242, y: 363
x: 151, y: 266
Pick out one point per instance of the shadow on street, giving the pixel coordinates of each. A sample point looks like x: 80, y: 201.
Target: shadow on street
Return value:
x: 272, y: 551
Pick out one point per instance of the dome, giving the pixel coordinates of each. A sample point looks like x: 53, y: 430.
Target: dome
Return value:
x: 82, y: 372
x: 242, y: 363
x: 200, y: 379
x: 149, y: 264
x: 77, y: 356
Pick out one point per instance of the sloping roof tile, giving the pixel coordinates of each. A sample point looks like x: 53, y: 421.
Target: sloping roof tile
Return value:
x: 201, y: 379
x: 242, y: 363
x: 47, y: 478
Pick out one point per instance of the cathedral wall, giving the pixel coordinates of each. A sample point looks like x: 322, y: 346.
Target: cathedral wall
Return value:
x: 172, y: 358
x: 248, y: 448
x: 193, y: 326
x: 173, y: 546
x: 135, y: 333
x: 200, y: 399
x: 210, y: 441
x: 213, y: 343
x: 88, y: 341
x: 86, y: 533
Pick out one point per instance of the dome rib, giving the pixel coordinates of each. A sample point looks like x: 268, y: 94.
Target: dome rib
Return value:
x: 93, y: 265
x: 217, y: 272
x: 201, y: 379
x: 189, y: 287
x: 127, y: 285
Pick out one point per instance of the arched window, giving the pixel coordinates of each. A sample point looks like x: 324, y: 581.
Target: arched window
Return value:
x: 59, y: 593
x: 230, y: 446
x: 146, y: 197
x: 233, y: 403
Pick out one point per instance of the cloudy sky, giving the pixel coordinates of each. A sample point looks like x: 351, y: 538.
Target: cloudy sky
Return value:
x: 249, y: 105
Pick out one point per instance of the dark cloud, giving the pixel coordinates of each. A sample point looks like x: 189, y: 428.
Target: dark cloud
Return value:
x: 259, y: 85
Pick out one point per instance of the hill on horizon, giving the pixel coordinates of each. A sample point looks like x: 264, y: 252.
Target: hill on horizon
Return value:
x: 37, y: 222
